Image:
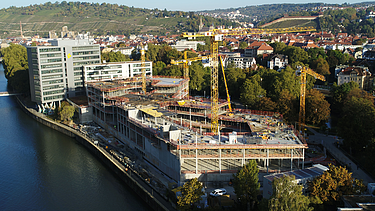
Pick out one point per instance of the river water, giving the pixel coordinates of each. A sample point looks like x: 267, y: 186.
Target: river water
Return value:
x: 42, y: 169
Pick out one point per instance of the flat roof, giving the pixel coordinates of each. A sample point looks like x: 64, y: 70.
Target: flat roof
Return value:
x: 306, y: 173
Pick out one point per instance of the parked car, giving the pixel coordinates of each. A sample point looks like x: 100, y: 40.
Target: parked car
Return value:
x: 218, y: 192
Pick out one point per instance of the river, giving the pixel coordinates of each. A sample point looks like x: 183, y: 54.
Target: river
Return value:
x: 42, y: 169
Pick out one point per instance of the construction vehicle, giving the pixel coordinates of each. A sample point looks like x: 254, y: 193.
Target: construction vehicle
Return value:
x: 303, y: 71
x: 216, y: 36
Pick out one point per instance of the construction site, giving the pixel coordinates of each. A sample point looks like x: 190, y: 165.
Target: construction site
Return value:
x: 174, y: 134
x: 186, y: 137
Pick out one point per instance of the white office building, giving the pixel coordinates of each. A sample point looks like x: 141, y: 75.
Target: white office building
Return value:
x: 55, y: 72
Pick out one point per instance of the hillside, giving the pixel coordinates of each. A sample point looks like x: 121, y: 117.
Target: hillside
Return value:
x: 99, y: 19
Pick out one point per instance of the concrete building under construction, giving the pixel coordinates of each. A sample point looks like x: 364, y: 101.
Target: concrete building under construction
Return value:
x: 174, y: 134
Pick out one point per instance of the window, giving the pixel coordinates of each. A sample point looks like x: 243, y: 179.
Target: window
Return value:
x: 53, y: 92
x: 41, y: 50
x: 50, y: 60
x: 85, y: 53
x: 85, y: 57
x: 86, y: 62
x: 85, y: 47
x: 53, y: 82
x: 53, y: 87
x: 51, y: 71
x: 54, y: 97
x: 50, y: 55
x: 50, y: 66
x: 52, y: 76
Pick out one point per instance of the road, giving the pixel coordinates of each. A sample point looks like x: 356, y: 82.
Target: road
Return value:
x: 328, y: 143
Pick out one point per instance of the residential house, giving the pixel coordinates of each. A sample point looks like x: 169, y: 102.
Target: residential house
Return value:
x: 360, y: 75
x: 257, y: 48
x: 241, y: 62
x: 277, y: 60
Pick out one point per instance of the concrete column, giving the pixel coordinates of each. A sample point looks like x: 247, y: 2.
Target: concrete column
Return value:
x: 220, y: 161
x: 243, y: 156
x: 268, y: 158
x: 196, y: 161
x: 291, y: 159
x: 303, y: 158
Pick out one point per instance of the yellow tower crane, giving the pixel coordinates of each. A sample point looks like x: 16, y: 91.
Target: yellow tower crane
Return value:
x: 143, y: 69
x: 216, y: 36
x: 303, y: 71
x: 186, y: 62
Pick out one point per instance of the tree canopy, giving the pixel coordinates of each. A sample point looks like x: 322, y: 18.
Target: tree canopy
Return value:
x: 16, y: 67
x: 334, y: 183
x: 245, y: 183
x: 287, y: 195
x: 191, y: 193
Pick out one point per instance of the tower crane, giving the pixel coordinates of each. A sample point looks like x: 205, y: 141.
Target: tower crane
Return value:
x: 303, y: 71
x: 186, y: 62
x: 143, y: 69
x: 216, y: 35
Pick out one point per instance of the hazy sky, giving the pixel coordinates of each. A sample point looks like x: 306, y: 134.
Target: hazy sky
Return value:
x: 182, y: 5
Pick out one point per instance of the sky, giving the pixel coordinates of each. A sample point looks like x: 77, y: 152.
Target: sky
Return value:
x: 186, y: 5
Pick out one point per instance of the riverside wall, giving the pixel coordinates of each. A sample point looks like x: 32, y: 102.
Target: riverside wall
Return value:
x: 136, y: 183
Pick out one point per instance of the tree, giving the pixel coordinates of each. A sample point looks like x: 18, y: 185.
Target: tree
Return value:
x: 317, y: 108
x: 243, y: 45
x: 321, y: 66
x: 287, y: 195
x: 252, y: 92
x: 191, y: 193
x: 245, y: 183
x: 66, y: 111
x: 339, y: 95
x: 16, y: 67
x: 295, y: 54
x: 334, y: 183
x: 285, y: 105
x: 355, y: 127
x: 266, y: 104
x: 278, y: 46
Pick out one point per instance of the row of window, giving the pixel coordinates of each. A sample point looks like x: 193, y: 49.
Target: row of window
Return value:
x: 50, y: 60
x: 52, y: 87
x: 140, y: 65
x: 90, y: 47
x: 85, y: 57
x: 86, y: 63
x: 41, y: 50
x: 54, y: 97
x: 51, y: 71
x: 53, y: 82
x: 52, y: 76
x: 104, y: 67
x: 53, y: 92
x: 49, y: 55
x: 50, y: 66
x: 85, y: 53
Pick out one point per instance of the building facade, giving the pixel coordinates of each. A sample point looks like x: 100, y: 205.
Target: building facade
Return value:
x: 115, y: 70
x: 55, y: 72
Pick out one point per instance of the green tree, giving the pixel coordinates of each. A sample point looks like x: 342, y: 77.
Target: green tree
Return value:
x: 246, y: 185
x: 339, y: 95
x: 287, y: 195
x: 16, y: 67
x: 295, y: 54
x: 66, y: 111
x: 266, y: 104
x: 198, y: 75
x: 317, y: 108
x: 334, y: 183
x: 278, y: 47
x: 286, y: 106
x: 355, y: 127
x: 191, y: 193
x: 252, y: 92
x: 321, y: 66
x: 243, y: 45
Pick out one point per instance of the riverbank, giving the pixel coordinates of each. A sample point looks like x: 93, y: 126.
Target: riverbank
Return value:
x: 139, y: 185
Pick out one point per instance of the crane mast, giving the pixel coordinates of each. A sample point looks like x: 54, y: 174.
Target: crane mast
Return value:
x: 143, y: 68
x: 302, y: 107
